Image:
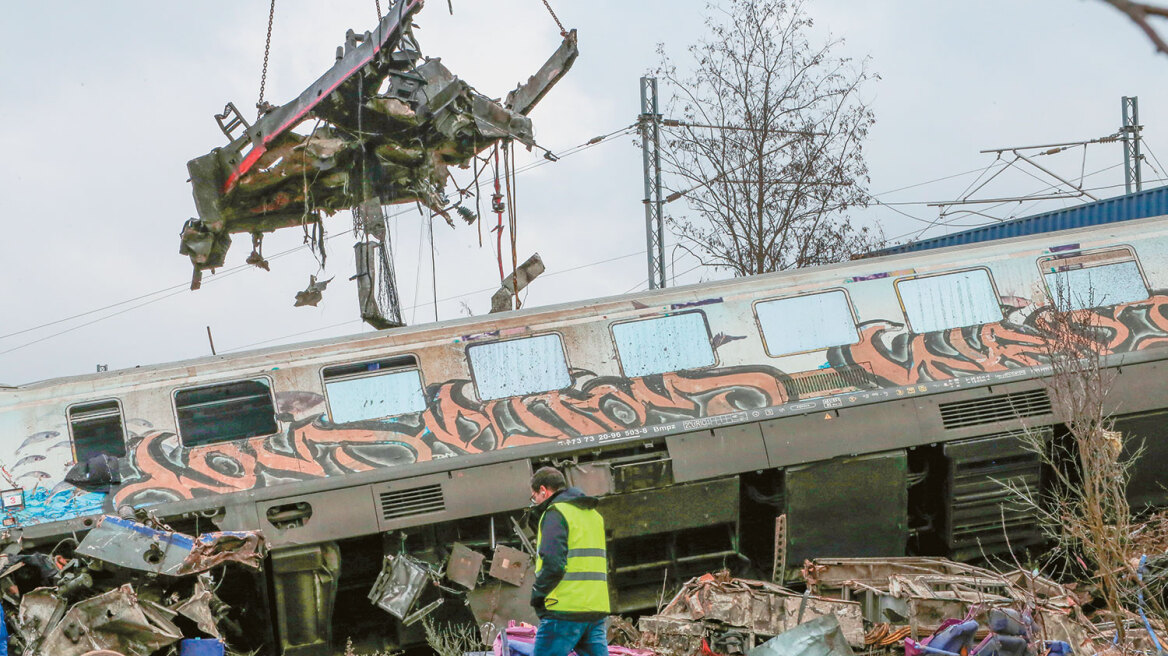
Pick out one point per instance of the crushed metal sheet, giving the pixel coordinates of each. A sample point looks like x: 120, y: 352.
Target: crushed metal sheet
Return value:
x: 399, y: 585
x: 128, y: 544
x: 211, y: 550
x: 509, y: 564
x: 115, y: 621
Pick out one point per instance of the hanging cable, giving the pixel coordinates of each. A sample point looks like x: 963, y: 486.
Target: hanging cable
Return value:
x: 497, y: 207
x: 260, y: 104
x: 478, y: 201
x: 508, y: 161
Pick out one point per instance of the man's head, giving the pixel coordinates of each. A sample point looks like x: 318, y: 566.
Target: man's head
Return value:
x: 545, y: 483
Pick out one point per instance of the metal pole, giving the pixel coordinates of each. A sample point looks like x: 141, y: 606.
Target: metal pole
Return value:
x: 650, y: 124
x: 1132, y: 158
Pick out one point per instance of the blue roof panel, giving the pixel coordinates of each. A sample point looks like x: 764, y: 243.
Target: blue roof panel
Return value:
x: 1140, y: 205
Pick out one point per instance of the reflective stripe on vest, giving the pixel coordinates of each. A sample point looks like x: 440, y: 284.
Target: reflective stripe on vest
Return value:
x: 584, y: 588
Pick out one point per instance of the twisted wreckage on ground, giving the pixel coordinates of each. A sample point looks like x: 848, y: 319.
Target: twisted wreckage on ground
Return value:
x: 389, y: 124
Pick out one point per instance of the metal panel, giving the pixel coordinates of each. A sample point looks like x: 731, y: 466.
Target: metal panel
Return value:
x: 691, y: 505
x: 853, y: 507
x: 824, y: 435
x: 465, y: 493
x: 1145, y: 204
x: 738, y: 448
x: 333, y: 515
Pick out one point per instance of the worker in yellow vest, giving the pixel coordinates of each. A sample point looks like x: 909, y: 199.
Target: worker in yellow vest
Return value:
x: 570, y: 594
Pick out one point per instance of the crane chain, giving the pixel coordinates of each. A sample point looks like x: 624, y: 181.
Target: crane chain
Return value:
x: 377, y: 3
x: 267, y: 50
x: 563, y: 32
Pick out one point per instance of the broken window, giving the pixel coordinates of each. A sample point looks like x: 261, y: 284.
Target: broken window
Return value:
x: 374, y: 390
x: 519, y: 366
x: 661, y: 344
x: 97, y: 429
x: 1084, y: 280
x: 949, y: 300
x: 225, y: 411
x: 806, y: 323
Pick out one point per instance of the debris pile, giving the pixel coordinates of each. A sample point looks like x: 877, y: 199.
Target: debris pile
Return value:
x: 728, y: 616
x: 129, y: 587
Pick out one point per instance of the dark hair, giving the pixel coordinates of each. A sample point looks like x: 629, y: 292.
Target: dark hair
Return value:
x: 548, y: 477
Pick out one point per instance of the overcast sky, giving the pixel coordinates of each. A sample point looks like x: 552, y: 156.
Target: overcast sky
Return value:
x: 102, y: 105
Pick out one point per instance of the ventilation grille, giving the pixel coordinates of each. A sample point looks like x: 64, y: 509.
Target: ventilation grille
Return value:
x: 845, y: 378
x: 991, y: 409
x: 414, y: 501
x: 984, y: 515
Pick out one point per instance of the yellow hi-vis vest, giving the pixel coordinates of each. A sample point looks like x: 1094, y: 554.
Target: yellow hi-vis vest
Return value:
x: 584, y: 588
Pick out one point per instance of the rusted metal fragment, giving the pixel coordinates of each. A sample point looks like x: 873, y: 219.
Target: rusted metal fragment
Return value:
x: 211, y: 550
x: 388, y: 129
x: 526, y: 95
x: 114, y: 620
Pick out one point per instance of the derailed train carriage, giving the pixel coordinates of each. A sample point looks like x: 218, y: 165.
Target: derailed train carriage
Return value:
x: 872, y: 404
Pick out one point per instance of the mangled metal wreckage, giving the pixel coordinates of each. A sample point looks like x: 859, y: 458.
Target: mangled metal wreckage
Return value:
x: 389, y: 124
x: 127, y: 587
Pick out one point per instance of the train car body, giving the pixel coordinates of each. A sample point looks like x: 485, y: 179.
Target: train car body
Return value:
x: 869, y: 404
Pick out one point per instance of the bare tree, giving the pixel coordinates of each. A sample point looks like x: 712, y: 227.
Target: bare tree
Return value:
x: 766, y: 142
x: 1139, y: 13
x: 1085, y: 512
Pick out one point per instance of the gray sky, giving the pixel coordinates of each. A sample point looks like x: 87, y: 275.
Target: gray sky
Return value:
x: 104, y: 103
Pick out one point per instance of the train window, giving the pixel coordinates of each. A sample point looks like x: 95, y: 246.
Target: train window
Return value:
x: 1085, y: 280
x: 97, y: 429
x: 225, y: 411
x: 661, y: 344
x: 528, y: 365
x: 374, y: 390
x: 806, y: 323
x: 949, y: 300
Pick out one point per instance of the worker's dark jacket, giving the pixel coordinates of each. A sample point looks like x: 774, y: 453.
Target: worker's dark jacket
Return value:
x: 571, y: 542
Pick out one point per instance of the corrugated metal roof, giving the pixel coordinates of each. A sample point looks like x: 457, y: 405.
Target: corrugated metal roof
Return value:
x: 1140, y: 205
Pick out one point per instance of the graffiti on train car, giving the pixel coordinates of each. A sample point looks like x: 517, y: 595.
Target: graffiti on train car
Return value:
x: 898, y: 357
x: 453, y: 424
x: 35, y: 487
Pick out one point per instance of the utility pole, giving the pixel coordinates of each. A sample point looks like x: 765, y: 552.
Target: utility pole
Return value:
x: 1131, y: 144
x: 650, y: 123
